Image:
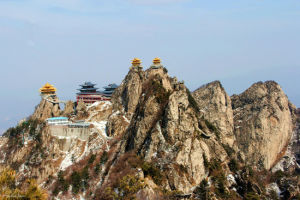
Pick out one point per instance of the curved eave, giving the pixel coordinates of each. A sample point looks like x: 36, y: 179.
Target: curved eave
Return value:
x: 89, y: 93
x: 82, y: 85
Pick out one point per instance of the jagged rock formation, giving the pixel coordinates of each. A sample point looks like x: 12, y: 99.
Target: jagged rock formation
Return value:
x: 291, y: 159
x: 41, y: 153
x: 165, y: 129
x: 124, y: 100
x: 125, y: 97
x: 81, y: 110
x: 69, y: 108
x: 156, y: 140
x: 99, y: 111
x: 296, y: 142
x: 46, y: 109
x: 263, y: 123
x: 215, y: 106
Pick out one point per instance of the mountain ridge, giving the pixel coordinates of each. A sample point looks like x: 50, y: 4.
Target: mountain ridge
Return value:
x: 164, y: 140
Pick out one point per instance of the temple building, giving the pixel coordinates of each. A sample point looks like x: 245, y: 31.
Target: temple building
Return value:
x: 156, y: 64
x: 57, y: 121
x: 156, y: 61
x: 89, y: 94
x: 108, y: 90
x: 136, y: 64
x: 48, y: 89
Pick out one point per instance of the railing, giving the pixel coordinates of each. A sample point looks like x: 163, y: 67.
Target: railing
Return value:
x: 51, y: 101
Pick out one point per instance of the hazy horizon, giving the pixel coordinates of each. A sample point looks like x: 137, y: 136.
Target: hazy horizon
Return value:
x: 67, y: 43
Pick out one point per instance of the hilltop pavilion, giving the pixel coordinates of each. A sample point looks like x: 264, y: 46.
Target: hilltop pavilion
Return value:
x: 48, y: 89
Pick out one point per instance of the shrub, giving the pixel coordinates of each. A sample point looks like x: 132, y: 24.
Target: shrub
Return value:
x: 62, y: 184
x: 104, y: 158
x: 233, y: 165
x: 85, y: 176
x: 230, y: 151
x: 154, y: 87
x: 126, y: 188
x: 219, y: 180
x: 76, y: 182
x: 160, y: 92
x: 183, y: 168
x: 165, y: 70
x: 212, y: 128
x: 97, y: 168
x: 278, y: 175
x: 273, y: 195
x: 9, y: 188
x: 92, y: 159
x: 202, y: 191
x: 150, y: 170
x: 214, y: 165
x: 252, y: 196
x: 192, y: 102
x: 60, y: 176
x: 205, y: 161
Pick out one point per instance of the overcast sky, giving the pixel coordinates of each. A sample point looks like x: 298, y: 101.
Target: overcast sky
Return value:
x: 67, y: 42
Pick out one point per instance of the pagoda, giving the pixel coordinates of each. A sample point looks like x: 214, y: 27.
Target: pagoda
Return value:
x: 136, y: 64
x: 108, y: 90
x: 89, y: 94
x: 48, y: 89
x: 156, y: 63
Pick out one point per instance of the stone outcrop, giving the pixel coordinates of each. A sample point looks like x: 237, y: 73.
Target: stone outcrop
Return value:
x: 46, y: 109
x: 125, y: 97
x: 99, y: 111
x: 263, y: 123
x: 165, y: 129
x: 215, y: 105
x: 124, y: 101
x: 81, y: 110
x: 69, y: 108
x: 169, y: 139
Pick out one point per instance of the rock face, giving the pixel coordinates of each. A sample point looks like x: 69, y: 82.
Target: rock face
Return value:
x: 263, y: 123
x: 124, y: 100
x: 163, y: 138
x: 215, y: 105
x: 46, y: 109
x: 126, y: 95
x: 296, y: 141
x: 81, y: 110
x: 69, y: 108
x: 165, y: 129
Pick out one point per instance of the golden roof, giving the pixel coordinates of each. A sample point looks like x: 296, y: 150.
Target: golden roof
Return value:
x: 47, y: 88
x: 156, y: 61
x: 136, y: 61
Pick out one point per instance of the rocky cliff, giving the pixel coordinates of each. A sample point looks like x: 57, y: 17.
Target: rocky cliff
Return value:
x: 263, y: 123
x: 46, y: 109
x: 166, y: 129
x: 215, y: 105
x: 157, y: 140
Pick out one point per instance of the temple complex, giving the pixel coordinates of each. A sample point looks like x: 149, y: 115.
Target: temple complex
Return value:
x: 48, y: 89
x: 89, y: 94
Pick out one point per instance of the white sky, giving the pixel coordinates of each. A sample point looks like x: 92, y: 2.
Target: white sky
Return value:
x: 67, y: 42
